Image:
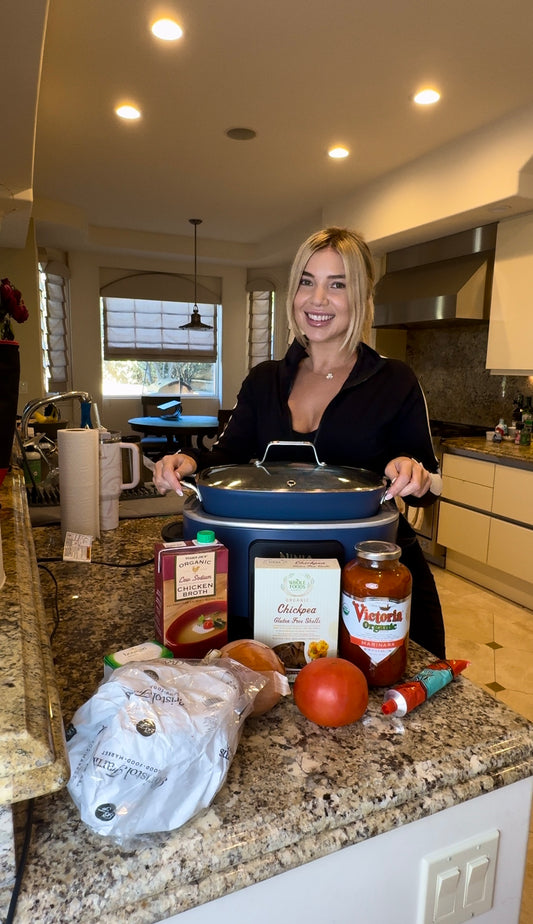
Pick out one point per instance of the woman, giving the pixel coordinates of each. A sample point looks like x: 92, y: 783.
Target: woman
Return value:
x: 358, y: 408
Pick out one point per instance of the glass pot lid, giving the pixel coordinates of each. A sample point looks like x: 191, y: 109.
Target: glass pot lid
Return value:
x: 287, y: 477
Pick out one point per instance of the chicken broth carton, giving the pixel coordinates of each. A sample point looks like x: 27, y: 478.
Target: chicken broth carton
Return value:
x: 191, y: 579
x: 296, y: 608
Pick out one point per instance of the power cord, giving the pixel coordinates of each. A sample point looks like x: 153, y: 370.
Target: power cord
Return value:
x: 105, y: 564
x: 22, y: 865
x: 56, y: 600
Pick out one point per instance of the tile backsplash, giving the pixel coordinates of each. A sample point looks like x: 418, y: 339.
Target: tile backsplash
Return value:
x: 450, y: 364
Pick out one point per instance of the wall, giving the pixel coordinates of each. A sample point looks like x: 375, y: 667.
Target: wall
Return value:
x: 20, y: 267
x: 450, y: 363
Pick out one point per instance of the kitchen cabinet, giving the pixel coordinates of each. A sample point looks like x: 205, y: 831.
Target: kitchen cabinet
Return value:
x: 302, y: 824
x: 510, y: 342
x: 513, y: 494
x: 486, y: 524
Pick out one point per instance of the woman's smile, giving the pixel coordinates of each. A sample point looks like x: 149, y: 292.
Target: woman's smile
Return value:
x: 319, y: 318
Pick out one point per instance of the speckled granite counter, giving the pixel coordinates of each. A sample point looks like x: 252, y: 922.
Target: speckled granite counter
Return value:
x: 294, y: 793
x: 504, y: 453
x: 32, y: 749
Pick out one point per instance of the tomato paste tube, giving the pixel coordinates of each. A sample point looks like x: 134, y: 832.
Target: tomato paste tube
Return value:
x: 404, y: 697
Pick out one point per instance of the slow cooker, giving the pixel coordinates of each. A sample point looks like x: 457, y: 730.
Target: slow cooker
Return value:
x: 248, y: 539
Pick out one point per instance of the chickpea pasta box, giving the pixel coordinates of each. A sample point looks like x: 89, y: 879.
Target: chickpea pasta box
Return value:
x: 191, y: 579
x: 296, y: 608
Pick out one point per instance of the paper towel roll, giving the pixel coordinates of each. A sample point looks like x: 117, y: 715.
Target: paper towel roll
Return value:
x: 78, y: 481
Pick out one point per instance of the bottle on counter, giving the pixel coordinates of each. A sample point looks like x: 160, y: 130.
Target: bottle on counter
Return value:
x: 527, y: 415
x: 518, y: 404
x: 500, y: 430
x: 375, y: 611
x: 518, y: 435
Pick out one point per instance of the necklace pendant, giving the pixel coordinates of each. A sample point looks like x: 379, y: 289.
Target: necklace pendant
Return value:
x: 329, y: 375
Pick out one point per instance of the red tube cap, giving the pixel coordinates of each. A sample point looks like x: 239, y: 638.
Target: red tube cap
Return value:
x: 390, y: 705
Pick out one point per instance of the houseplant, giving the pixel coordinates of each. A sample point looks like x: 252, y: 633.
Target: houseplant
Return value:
x: 11, y: 307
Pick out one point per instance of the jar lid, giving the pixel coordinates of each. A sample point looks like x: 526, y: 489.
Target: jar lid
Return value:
x: 377, y: 550
x: 205, y: 535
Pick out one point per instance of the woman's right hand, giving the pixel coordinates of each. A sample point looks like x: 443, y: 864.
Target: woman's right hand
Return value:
x: 170, y: 470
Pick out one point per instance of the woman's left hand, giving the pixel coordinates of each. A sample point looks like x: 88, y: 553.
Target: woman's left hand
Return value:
x: 407, y: 476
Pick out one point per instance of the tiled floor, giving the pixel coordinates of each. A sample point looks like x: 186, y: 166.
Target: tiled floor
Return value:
x: 497, y: 637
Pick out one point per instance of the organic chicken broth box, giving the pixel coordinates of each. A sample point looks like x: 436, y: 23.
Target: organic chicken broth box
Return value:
x: 191, y: 579
x: 296, y: 608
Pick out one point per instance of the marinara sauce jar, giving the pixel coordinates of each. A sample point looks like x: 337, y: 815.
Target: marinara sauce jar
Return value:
x: 375, y: 611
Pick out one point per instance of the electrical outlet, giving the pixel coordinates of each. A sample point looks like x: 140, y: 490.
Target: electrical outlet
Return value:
x: 457, y: 883
x: 23, y: 388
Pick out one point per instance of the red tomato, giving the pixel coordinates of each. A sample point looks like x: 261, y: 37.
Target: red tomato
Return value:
x: 331, y: 691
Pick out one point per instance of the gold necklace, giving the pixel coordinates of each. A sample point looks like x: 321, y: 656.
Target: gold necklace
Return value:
x: 331, y: 374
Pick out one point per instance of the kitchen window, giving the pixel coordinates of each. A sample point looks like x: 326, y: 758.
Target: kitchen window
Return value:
x: 145, y: 350
x: 54, y: 311
x: 260, y: 325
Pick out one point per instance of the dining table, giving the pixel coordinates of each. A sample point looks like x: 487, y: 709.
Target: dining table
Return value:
x: 178, y: 431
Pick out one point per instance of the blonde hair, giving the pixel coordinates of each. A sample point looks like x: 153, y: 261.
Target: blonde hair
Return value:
x: 360, y: 277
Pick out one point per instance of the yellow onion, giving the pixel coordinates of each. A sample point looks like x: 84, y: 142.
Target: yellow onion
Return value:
x: 261, y: 658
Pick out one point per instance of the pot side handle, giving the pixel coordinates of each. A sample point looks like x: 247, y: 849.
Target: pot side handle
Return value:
x: 192, y: 487
x: 297, y: 443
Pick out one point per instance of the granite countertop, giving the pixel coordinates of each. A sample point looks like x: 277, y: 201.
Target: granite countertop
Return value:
x: 294, y: 791
x: 504, y: 453
x: 33, y: 758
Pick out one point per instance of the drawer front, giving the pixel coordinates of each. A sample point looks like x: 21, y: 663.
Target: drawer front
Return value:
x: 513, y: 494
x: 465, y: 492
x: 464, y: 531
x: 474, y: 470
x: 511, y: 549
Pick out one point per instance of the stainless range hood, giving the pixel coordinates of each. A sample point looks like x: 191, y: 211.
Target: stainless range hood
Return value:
x: 445, y: 281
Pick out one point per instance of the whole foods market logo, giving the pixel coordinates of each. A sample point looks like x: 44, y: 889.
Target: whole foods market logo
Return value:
x: 296, y: 584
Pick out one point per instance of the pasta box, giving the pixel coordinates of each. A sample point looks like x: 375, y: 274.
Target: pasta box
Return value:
x: 296, y: 608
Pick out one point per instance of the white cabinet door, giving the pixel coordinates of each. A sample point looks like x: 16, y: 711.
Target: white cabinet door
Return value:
x: 464, y: 492
x: 464, y: 531
x: 468, y: 481
x: 513, y: 494
x: 511, y: 318
x: 511, y: 549
x: 475, y: 470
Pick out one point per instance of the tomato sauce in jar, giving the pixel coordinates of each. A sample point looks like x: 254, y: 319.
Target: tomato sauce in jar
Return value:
x: 375, y: 610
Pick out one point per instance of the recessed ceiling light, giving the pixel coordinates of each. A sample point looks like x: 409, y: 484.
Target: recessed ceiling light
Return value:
x: 128, y: 112
x: 241, y: 134
x: 167, y: 29
x: 427, y: 97
x: 338, y: 152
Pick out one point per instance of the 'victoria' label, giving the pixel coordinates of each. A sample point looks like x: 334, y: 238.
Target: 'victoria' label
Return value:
x: 378, y: 625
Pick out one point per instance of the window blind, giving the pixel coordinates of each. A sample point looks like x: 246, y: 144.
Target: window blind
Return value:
x: 260, y: 327
x: 149, y: 329
x: 55, y: 337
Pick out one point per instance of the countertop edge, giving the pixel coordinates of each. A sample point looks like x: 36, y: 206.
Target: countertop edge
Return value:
x: 44, y: 743
x: 503, y: 453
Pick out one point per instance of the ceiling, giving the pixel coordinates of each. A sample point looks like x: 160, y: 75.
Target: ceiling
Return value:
x: 304, y: 74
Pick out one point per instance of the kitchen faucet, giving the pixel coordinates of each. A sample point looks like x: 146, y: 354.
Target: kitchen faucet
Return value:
x: 36, y: 403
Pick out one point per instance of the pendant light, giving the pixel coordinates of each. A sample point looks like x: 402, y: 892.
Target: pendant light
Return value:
x: 196, y: 322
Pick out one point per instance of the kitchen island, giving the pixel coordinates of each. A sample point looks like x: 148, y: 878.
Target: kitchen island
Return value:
x: 387, y: 791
